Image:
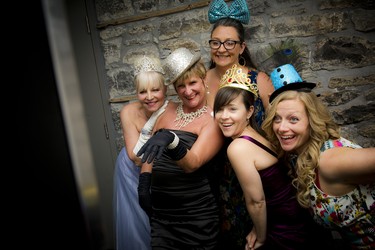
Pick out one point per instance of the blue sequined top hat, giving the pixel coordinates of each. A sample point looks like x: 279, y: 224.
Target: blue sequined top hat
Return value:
x: 285, y: 78
x: 178, y: 62
x: 238, y: 10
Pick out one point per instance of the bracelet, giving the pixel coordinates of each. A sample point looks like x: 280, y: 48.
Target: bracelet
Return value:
x: 175, y: 141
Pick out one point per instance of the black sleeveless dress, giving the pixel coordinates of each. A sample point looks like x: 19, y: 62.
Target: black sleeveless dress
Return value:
x: 185, y: 205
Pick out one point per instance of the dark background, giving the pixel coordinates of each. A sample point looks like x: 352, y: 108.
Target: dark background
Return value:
x: 48, y: 197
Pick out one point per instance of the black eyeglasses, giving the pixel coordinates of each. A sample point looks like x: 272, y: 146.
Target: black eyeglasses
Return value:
x: 229, y: 44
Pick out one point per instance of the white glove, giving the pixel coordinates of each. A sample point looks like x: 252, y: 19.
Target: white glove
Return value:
x: 148, y: 127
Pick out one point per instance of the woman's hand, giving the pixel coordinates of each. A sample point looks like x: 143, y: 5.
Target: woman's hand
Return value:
x: 251, y: 240
x: 155, y: 146
x: 163, y: 139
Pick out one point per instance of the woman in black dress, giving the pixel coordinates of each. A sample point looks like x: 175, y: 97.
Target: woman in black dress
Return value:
x: 183, y: 150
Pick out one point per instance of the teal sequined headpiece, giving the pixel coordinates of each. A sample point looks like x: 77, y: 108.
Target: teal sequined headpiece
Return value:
x: 237, y: 10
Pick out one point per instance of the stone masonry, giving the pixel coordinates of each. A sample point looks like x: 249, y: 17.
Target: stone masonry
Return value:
x: 333, y: 42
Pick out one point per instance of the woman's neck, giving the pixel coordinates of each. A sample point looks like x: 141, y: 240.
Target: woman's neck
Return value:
x: 187, y: 110
x: 183, y: 117
x: 220, y: 71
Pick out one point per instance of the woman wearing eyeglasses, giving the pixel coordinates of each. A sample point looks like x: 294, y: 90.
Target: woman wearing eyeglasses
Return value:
x: 228, y: 47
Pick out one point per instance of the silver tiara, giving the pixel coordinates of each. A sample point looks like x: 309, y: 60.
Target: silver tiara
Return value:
x: 146, y: 64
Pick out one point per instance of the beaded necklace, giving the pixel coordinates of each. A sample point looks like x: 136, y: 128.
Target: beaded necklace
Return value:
x: 183, y: 119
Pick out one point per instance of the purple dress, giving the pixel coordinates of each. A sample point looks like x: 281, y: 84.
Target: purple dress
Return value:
x: 287, y: 221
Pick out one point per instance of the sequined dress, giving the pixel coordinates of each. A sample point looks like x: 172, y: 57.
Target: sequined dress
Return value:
x: 185, y: 205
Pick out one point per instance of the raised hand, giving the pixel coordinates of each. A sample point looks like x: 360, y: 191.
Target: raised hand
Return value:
x: 155, y: 146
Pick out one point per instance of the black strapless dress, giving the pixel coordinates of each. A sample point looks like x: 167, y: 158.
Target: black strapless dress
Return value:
x: 185, y: 205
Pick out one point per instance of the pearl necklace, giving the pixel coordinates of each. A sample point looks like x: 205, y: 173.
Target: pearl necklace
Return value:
x: 183, y: 119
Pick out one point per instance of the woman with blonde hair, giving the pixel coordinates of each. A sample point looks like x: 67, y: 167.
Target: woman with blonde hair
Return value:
x: 183, y: 208
x: 334, y: 177
x: 137, y: 121
x: 279, y: 221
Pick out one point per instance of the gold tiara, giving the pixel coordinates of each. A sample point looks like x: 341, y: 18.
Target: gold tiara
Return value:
x: 146, y: 64
x: 235, y: 78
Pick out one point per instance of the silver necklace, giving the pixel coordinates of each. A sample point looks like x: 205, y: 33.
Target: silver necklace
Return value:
x: 183, y: 119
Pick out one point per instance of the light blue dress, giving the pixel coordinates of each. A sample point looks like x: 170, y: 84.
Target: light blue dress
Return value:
x: 131, y: 222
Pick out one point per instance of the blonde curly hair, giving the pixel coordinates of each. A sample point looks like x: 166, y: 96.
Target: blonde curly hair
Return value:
x: 322, y: 128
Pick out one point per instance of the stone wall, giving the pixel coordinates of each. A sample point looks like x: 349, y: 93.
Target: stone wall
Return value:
x: 333, y: 41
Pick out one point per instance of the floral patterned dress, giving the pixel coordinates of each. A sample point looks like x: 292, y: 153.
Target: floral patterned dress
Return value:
x: 236, y: 223
x: 352, y: 215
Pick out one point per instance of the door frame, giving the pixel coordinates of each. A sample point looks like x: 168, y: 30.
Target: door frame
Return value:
x: 79, y: 70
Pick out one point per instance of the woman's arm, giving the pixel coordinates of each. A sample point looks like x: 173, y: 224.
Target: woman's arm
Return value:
x: 208, y: 144
x: 243, y: 162
x: 348, y: 165
x: 130, y: 130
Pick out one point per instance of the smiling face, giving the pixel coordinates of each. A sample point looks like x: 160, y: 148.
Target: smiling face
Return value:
x: 192, y: 93
x: 222, y: 56
x: 291, y: 125
x: 151, y: 90
x: 233, y: 117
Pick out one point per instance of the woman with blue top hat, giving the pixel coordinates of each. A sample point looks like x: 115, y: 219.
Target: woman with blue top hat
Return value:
x: 334, y: 177
x: 182, y: 151
x: 228, y: 47
x: 279, y: 221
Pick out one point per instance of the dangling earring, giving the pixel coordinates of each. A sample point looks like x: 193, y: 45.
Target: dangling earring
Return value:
x: 243, y: 59
x: 205, y: 85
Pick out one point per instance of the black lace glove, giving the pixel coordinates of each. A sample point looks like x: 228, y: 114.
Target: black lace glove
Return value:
x: 144, y: 195
x: 155, y: 146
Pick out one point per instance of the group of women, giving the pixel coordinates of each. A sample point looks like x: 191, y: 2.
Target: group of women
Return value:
x: 213, y: 171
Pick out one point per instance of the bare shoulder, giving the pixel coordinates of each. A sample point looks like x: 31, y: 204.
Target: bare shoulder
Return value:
x: 131, y: 106
x: 171, y: 107
x: 237, y: 147
x: 265, y: 87
x: 238, y: 151
x: 130, y: 109
x: 263, y: 75
x: 264, y: 78
x: 166, y: 120
x: 209, y: 72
